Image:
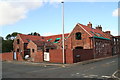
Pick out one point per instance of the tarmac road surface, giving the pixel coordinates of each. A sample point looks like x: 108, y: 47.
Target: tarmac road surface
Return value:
x: 100, y: 69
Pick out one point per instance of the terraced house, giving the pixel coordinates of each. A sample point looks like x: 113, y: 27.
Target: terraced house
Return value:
x: 82, y: 43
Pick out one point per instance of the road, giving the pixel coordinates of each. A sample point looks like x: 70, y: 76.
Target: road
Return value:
x: 99, y: 69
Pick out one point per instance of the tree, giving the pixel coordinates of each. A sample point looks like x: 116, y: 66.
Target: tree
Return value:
x: 35, y: 34
x: 30, y: 33
x: 1, y: 39
x: 8, y: 37
x: 12, y: 36
x: 7, y: 45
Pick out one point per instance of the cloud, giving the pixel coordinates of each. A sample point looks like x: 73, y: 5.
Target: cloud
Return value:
x: 47, y: 34
x: 85, y: 0
x: 14, y: 11
x: 57, y: 1
x: 114, y: 32
x: 116, y: 12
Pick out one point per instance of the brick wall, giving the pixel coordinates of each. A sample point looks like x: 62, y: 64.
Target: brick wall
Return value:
x: 19, y: 57
x: 19, y: 46
x: 82, y: 55
x: 56, y: 56
x: 39, y: 56
x: 103, y: 48
x: 69, y: 56
x: 6, y: 56
x: 31, y: 46
x: 85, y: 40
x: 71, y: 42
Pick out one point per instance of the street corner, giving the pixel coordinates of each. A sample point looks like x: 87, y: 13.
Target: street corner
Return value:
x: 116, y: 74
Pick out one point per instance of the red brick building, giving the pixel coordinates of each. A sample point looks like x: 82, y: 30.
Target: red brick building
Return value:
x: 115, y: 45
x: 82, y: 37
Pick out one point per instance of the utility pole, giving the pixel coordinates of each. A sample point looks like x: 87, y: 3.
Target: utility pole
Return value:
x: 63, y: 32
x: 94, y: 45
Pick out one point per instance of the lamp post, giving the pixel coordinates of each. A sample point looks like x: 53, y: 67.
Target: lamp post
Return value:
x: 63, y: 32
x: 94, y: 47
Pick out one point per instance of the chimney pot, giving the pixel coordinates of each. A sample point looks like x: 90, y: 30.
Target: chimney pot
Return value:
x: 99, y: 27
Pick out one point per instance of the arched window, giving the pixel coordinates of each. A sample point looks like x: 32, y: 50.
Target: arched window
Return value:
x: 78, y: 36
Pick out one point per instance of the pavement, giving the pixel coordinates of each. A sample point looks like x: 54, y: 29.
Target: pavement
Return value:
x: 60, y: 64
x: 98, y: 68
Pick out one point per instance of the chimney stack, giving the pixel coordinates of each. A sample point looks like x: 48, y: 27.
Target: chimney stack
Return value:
x: 89, y: 24
x: 108, y: 32
x: 99, y: 27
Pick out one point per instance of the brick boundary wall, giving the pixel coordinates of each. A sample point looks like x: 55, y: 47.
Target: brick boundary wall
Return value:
x: 82, y: 55
x: 8, y: 56
x: 39, y: 56
x: 56, y: 56
x: 69, y: 56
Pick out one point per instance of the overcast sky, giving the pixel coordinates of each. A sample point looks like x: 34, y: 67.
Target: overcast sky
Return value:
x: 45, y: 16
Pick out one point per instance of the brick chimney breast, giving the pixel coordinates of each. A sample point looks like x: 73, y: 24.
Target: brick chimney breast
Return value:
x: 89, y: 24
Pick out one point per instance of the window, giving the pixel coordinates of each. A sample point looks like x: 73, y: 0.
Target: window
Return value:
x: 47, y: 50
x: 18, y: 41
x: 99, y: 34
x: 33, y: 50
x: 49, y: 39
x: 17, y: 50
x: 56, y: 40
x: 93, y: 33
x: 78, y: 36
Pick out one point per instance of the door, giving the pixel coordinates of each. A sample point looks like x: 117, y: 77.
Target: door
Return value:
x: 15, y: 56
x: 46, y: 56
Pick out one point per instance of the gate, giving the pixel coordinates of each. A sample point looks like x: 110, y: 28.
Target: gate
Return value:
x: 15, y: 56
x: 46, y: 56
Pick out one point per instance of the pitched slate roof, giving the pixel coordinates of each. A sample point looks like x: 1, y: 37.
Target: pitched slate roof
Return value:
x: 52, y: 38
x: 43, y: 43
x: 26, y: 38
x: 94, y: 32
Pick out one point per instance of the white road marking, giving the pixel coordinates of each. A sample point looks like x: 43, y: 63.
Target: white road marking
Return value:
x: 44, y: 69
x: 93, y: 75
x: 76, y: 74
x: 110, y: 62
x: 86, y: 76
x: 106, y: 76
x: 90, y: 76
x: 114, y: 74
x: 89, y: 68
